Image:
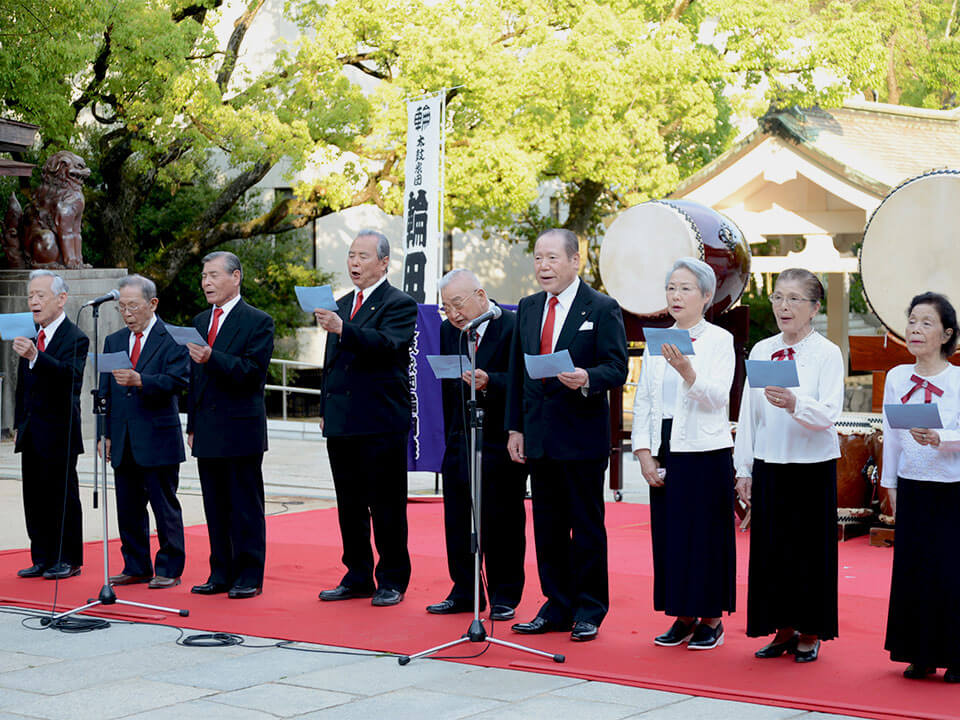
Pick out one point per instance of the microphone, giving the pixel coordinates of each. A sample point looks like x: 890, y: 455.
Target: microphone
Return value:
x: 112, y: 295
x: 492, y: 314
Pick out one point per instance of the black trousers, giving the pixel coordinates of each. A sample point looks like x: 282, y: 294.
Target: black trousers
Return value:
x: 51, y: 506
x: 502, y: 527
x: 233, y: 504
x: 571, y: 539
x: 370, y: 478
x: 136, y: 486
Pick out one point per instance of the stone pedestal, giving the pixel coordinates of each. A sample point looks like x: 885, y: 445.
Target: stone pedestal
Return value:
x: 83, y: 285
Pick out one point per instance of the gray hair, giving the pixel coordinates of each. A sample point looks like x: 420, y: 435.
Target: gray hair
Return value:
x: 57, y: 284
x: 230, y: 261
x: 570, y: 241
x: 148, y: 288
x: 383, y: 245
x: 454, y: 274
x: 706, y: 278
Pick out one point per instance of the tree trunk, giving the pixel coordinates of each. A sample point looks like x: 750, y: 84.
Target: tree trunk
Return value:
x: 580, y: 219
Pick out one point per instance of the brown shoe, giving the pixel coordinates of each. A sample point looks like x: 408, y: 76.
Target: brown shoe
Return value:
x: 160, y: 582
x: 123, y: 579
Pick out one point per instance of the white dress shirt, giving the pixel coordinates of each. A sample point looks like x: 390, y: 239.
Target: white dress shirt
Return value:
x: 48, y: 333
x: 808, y: 435
x: 564, y: 301
x: 701, y: 412
x: 146, y: 333
x: 226, y: 307
x: 366, y: 292
x: 902, y: 455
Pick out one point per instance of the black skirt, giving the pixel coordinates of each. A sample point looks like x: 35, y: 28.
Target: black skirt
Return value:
x: 923, y: 624
x: 692, y: 528
x: 793, y: 549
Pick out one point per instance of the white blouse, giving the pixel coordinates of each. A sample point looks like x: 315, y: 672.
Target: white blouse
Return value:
x: 772, y: 434
x: 701, y: 412
x: 902, y: 455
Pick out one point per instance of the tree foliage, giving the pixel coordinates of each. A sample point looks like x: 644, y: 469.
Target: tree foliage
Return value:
x: 613, y: 101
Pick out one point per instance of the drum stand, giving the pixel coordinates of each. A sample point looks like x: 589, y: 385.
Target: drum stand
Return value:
x: 107, y: 595
x: 476, y: 632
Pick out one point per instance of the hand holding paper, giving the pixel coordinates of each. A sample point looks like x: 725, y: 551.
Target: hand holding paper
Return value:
x: 448, y: 367
x: 911, y: 415
x: 184, y: 335
x: 656, y: 338
x: 108, y: 362
x: 775, y: 373
x: 14, y: 325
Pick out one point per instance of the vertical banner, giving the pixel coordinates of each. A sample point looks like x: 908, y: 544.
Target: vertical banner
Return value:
x: 426, y: 443
x: 421, y: 193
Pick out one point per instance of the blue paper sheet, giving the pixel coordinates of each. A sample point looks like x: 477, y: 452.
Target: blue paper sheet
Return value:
x: 184, y: 335
x: 448, y: 367
x: 775, y: 373
x: 656, y: 338
x: 913, y: 415
x: 14, y: 325
x: 545, y: 366
x: 108, y: 362
x: 315, y: 297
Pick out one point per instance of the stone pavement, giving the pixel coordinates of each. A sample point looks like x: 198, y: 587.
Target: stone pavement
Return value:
x: 139, y: 671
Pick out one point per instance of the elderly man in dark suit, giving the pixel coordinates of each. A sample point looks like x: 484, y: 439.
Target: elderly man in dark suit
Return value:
x: 144, y: 441
x: 503, y: 486
x: 560, y: 427
x: 47, y: 421
x: 227, y: 427
x: 365, y: 410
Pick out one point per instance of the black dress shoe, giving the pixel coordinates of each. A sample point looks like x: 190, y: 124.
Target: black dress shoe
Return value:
x: 342, y: 592
x: 385, y: 597
x: 239, y: 592
x: 584, y: 631
x: 706, y: 637
x: 449, y: 607
x: 679, y: 633
x: 32, y: 571
x: 952, y: 675
x: 916, y: 671
x: 209, y: 588
x: 538, y: 626
x: 61, y: 571
x: 775, y: 650
x: 805, y: 656
x: 502, y: 612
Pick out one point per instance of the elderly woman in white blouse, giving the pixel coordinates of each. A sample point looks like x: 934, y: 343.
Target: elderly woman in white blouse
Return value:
x: 921, y: 468
x: 786, y: 461
x: 681, y: 436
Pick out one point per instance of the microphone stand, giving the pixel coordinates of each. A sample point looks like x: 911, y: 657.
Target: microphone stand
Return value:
x: 477, y: 633
x: 107, y: 594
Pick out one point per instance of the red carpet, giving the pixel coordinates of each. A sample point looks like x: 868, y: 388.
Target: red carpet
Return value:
x: 853, y: 676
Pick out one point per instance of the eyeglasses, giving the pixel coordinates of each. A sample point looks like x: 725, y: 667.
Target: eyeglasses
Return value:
x: 458, y: 304
x: 132, y: 309
x: 792, y: 301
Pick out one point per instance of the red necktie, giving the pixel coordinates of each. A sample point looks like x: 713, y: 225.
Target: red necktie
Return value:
x: 41, y: 341
x: 929, y: 389
x: 357, y: 304
x: 785, y: 354
x: 546, y: 335
x: 135, y: 353
x: 214, y: 326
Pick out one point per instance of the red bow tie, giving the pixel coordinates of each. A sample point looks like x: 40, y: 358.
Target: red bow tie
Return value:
x: 785, y: 354
x: 929, y: 389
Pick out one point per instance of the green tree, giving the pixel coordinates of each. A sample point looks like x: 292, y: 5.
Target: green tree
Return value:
x: 614, y: 101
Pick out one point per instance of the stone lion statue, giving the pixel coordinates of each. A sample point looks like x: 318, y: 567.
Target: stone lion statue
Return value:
x: 47, y: 234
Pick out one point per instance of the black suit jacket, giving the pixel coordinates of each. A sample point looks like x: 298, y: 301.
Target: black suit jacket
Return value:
x: 225, y: 407
x: 147, y: 417
x: 493, y: 356
x: 559, y: 423
x: 48, y: 396
x: 366, y: 369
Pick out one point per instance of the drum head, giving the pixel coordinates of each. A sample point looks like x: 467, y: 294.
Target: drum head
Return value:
x: 638, y: 250
x: 910, y: 245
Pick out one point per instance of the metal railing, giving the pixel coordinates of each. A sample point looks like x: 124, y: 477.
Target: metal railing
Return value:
x: 284, y: 388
